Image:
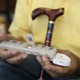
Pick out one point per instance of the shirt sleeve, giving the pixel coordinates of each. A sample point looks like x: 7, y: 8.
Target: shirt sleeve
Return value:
x: 19, y: 26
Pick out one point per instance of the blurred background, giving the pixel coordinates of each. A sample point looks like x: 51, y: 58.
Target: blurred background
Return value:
x: 7, y: 8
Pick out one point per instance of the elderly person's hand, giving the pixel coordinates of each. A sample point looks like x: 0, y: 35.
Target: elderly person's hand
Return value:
x: 11, y: 56
x: 59, y: 71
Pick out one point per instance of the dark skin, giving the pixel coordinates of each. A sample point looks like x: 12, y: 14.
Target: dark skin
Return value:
x: 59, y: 71
x: 15, y: 57
x: 11, y: 56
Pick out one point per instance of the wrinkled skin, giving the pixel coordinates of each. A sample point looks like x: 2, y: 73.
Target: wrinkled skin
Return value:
x: 58, y: 71
x: 11, y: 56
x: 16, y: 57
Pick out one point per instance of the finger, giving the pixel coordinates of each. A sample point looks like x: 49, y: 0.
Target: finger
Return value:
x: 53, y: 70
x: 59, y: 70
x: 38, y: 58
x: 17, y: 59
x: 1, y: 50
x: 47, y: 65
x: 3, y: 37
x: 44, y: 61
x: 7, y: 54
x: 52, y: 74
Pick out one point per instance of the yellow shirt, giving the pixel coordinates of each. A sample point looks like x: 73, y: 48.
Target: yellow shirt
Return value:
x: 66, y: 33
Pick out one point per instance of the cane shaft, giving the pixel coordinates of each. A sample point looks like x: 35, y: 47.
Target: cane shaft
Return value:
x: 49, y: 33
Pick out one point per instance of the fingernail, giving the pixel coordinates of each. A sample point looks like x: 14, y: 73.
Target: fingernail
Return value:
x: 38, y: 58
x: 13, y: 52
x: 44, y: 59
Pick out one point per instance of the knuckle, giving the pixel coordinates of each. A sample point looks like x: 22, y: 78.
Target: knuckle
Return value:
x: 9, y: 61
x: 63, y: 71
x: 66, y: 71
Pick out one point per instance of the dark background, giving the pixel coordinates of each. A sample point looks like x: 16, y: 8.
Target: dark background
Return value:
x: 7, y: 8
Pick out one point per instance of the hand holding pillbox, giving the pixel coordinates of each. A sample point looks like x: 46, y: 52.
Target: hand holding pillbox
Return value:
x: 51, y: 53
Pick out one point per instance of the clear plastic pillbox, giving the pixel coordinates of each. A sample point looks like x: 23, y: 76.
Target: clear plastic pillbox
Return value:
x: 57, y: 58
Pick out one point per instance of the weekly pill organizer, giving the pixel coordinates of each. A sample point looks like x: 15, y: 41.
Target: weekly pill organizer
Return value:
x: 36, y: 49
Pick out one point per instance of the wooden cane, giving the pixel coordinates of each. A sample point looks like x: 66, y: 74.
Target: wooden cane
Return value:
x: 52, y: 15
